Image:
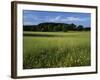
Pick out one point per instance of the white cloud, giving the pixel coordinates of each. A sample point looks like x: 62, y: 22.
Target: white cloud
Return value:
x: 57, y: 18
x: 74, y: 19
x: 61, y: 19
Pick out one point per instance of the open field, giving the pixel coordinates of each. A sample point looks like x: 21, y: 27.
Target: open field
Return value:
x: 56, y: 49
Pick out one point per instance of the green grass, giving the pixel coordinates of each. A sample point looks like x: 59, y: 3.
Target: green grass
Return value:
x: 56, y: 49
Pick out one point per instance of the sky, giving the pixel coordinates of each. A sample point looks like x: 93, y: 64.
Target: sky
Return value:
x: 31, y: 17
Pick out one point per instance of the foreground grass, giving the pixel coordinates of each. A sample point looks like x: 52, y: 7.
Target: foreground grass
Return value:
x: 58, y: 50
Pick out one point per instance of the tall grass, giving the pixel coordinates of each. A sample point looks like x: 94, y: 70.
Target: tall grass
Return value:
x: 66, y: 50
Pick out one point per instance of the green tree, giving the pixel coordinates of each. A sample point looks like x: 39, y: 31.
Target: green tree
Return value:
x: 80, y: 28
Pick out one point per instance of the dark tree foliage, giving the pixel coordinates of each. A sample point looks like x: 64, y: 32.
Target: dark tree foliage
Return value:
x: 54, y: 27
x: 87, y: 29
x: 80, y: 28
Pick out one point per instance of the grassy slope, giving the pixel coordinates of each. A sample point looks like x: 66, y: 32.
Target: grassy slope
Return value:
x: 73, y: 49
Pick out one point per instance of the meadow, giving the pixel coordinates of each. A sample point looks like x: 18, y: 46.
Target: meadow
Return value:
x: 56, y: 49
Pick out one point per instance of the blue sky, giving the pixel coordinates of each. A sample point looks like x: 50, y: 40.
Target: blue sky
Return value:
x: 31, y: 17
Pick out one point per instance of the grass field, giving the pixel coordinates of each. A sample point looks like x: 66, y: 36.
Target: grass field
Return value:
x: 56, y: 49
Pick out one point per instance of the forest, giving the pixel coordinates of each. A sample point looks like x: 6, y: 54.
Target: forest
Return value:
x: 55, y: 27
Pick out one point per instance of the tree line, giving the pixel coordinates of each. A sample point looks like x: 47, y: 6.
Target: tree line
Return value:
x: 55, y: 27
